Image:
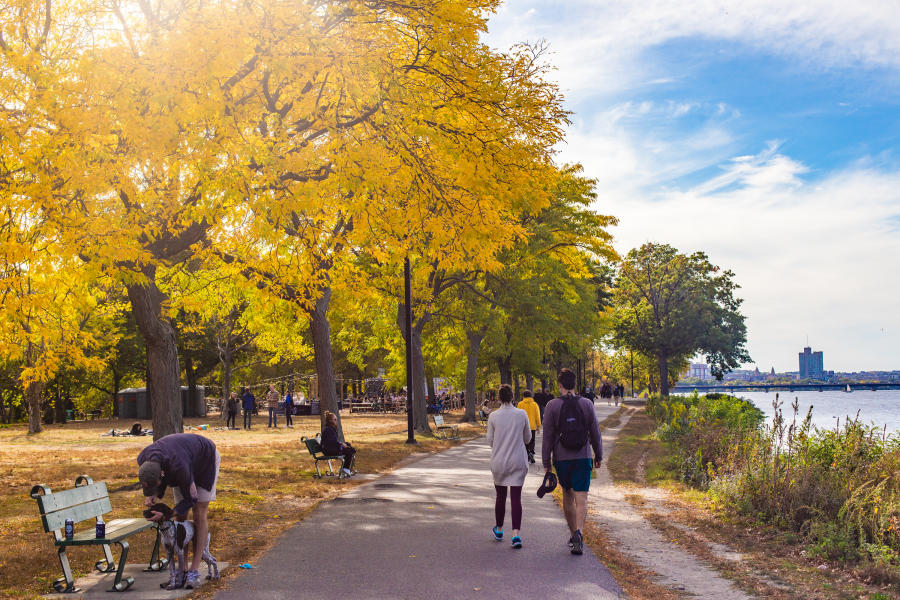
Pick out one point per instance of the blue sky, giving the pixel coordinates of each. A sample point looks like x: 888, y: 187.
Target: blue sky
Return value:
x: 764, y: 133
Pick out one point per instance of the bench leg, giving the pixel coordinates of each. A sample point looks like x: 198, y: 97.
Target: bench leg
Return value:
x: 156, y: 563
x: 106, y: 565
x: 66, y: 584
x: 119, y: 584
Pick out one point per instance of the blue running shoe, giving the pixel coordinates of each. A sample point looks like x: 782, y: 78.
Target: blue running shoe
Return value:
x: 516, y: 542
x: 498, y: 534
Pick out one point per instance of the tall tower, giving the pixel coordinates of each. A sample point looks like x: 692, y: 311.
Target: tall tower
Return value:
x: 805, y: 362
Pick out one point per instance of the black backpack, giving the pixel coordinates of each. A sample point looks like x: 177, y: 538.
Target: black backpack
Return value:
x: 571, y: 425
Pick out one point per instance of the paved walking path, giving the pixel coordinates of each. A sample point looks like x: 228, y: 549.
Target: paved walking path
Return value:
x: 424, y: 531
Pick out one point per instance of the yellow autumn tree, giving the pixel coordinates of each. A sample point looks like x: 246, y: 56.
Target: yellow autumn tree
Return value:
x: 272, y: 139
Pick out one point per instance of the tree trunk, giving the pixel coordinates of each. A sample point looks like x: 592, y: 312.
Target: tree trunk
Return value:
x: 321, y: 335
x: 116, y: 381
x: 420, y: 414
x: 663, y: 376
x: 163, y: 380
x: 503, y: 365
x: 225, y: 358
x: 33, y: 399
x: 429, y: 382
x: 475, y: 338
x: 529, y: 381
x: 189, y: 375
x: 515, y: 388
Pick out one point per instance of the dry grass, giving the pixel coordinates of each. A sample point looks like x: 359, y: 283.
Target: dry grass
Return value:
x: 265, y: 485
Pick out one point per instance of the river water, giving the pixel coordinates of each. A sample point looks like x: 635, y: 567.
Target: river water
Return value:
x: 881, y: 408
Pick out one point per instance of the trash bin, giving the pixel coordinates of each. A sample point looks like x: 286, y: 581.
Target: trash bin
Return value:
x: 70, y: 415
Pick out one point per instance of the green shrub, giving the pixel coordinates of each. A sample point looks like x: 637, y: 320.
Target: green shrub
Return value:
x: 839, y: 488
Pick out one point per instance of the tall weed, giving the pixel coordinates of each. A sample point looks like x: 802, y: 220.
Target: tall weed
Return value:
x: 840, y: 487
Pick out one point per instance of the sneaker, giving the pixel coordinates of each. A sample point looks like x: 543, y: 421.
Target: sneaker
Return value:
x: 516, y: 542
x: 577, y: 543
x: 191, y: 580
x: 498, y: 534
x: 346, y: 472
x: 571, y: 542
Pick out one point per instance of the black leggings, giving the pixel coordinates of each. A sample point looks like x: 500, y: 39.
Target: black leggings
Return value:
x: 515, y: 499
x: 229, y: 421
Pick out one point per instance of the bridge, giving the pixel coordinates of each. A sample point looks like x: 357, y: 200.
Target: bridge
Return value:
x: 737, y: 386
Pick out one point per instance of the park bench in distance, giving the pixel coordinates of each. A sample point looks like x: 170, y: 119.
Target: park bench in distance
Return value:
x: 442, y: 430
x: 482, y: 418
x: 89, y: 500
x: 315, y: 450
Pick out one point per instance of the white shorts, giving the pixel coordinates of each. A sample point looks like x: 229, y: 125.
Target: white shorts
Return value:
x: 203, y: 494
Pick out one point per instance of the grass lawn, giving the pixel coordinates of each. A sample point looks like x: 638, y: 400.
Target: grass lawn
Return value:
x: 265, y: 485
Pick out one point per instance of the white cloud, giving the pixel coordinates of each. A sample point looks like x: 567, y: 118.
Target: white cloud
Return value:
x: 597, y: 44
x: 815, y: 252
x: 813, y: 259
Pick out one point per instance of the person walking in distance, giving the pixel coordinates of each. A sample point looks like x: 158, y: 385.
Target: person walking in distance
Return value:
x: 534, y: 420
x: 508, y: 430
x: 571, y: 432
x: 231, y: 410
x: 289, y: 409
x: 272, y: 399
x: 248, y: 402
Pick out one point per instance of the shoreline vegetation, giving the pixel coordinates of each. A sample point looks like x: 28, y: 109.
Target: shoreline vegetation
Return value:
x: 835, y: 492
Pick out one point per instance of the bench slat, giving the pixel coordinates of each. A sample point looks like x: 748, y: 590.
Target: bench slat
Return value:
x: 116, y: 530
x: 73, y: 497
x: 81, y: 512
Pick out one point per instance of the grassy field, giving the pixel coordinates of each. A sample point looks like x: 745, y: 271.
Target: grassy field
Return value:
x: 265, y: 484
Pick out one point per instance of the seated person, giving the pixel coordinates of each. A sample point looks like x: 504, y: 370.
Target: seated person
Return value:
x: 485, y: 411
x: 332, y: 445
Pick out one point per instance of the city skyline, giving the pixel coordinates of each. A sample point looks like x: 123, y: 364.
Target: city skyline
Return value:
x: 764, y: 134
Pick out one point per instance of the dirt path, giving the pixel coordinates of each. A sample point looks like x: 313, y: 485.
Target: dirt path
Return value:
x: 635, y: 537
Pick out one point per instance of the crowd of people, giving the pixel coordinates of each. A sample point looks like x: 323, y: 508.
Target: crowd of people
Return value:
x: 571, y: 449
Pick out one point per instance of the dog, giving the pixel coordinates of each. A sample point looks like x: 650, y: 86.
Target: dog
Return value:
x: 176, y: 535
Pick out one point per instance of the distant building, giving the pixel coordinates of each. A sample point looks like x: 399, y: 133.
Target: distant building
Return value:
x: 699, y: 371
x: 811, y: 364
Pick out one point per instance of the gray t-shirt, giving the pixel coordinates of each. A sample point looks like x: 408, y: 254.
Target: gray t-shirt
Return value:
x: 551, y: 443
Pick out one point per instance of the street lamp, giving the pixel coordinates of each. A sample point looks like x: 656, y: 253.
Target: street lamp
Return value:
x: 631, y: 352
x: 411, y: 435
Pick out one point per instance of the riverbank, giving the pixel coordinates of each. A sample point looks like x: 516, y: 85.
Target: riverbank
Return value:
x: 763, y: 560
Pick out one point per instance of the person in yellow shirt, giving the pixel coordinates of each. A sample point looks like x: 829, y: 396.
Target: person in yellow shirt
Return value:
x: 534, y: 419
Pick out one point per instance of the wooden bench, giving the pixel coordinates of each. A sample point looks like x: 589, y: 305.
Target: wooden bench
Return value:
x: 442, y: 430
x: 314, y: 446
x: 86, y: 501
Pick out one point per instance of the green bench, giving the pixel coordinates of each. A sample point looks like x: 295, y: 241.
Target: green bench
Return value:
x: 315, y: 450
x: 442, y: 430
x: 89, y: 500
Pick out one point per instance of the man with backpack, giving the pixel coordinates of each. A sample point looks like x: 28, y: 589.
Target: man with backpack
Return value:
x: 571, y: 437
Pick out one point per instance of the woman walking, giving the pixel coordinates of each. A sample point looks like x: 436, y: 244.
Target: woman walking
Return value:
x: 231, y: 410
x: 508, y: 431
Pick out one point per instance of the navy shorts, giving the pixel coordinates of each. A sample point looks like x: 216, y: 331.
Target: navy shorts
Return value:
x: 575, y: 474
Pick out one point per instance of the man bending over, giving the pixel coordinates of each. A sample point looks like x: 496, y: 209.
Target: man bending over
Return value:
x: 189, y: 464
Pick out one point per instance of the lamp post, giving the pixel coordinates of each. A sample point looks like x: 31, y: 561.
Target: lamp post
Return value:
x: 411, y: 436
x: 631, y: 352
